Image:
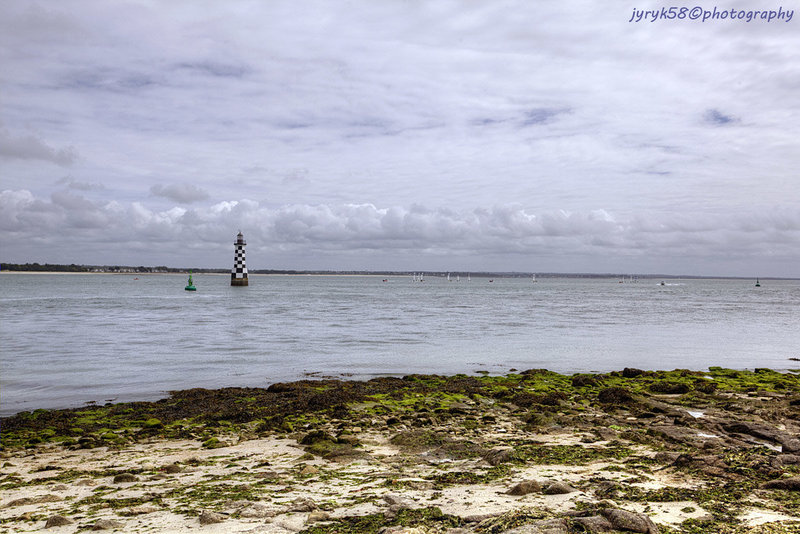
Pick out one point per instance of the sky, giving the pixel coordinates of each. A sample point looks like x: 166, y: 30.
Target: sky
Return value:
x: 400, y: 135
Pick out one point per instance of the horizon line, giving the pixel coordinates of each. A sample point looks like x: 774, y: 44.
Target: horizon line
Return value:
x: 51, y: 267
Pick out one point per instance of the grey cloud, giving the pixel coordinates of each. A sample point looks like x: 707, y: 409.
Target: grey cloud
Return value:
x: 539, y: 116
x: 109, y: 79
x: 183, y: 193
x: 216, y: 69
x: 78, y: 185
x: 38, y: 24
x: 716, y: 117
x: 31, y: 147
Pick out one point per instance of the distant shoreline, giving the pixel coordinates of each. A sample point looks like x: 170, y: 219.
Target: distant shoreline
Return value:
x: 204, y: 274
x: 431, y: 275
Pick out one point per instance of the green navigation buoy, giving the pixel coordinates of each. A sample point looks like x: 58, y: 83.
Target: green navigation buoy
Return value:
x: 190, y: 287
x: 758, y: 283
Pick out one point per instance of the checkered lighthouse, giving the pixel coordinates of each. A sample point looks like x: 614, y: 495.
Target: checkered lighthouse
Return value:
x: 239, y: 271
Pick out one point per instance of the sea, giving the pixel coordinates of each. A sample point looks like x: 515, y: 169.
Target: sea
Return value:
x: 67, y: 340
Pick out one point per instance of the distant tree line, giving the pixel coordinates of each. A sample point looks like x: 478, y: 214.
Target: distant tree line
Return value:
x: 71, y: 268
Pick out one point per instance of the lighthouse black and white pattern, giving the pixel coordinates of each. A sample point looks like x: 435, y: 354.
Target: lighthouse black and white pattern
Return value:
x: 239, y: 271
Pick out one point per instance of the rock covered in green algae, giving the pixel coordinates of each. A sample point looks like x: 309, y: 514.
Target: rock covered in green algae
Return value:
x: 791, y: 484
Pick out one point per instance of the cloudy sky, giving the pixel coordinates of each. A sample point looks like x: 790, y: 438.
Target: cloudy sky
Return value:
x: 424, y: 135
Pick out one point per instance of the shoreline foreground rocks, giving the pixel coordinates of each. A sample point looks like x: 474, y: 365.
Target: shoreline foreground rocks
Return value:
x: 530, y: 452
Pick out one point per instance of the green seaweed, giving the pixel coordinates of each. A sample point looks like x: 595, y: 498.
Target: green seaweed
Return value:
x: 431, y: 519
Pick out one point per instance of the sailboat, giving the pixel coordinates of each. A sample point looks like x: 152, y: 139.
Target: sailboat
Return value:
x: 190, y: 285
x: 533, y: 278
x: 448, y: 277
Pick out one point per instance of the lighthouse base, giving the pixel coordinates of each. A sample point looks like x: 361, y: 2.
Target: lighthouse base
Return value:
x: 239, y: 282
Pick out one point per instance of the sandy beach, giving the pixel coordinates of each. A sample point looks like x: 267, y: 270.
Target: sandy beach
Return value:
x: 630, y: 451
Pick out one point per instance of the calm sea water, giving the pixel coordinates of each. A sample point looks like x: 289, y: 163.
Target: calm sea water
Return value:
x: 71, y: 339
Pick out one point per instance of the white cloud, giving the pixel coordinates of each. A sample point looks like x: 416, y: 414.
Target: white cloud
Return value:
x: 416, y: 233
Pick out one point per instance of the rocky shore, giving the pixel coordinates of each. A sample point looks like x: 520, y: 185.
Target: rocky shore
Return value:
x: 530, y: 452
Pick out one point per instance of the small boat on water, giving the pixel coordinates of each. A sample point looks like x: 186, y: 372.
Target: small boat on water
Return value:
x: 190, y: 285
x: 758, y: 283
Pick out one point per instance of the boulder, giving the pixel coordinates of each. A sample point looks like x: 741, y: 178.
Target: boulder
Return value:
x: 107, y: 524
x: 39, y: 499
x: 594, y: 524
x: 791, y: 484
x: 630, y: 521
x: 615, y: 395
x: 755, y: 430
x: 789, y: 444
x: 548, y: 526
x: 172, y: 468
x: 631, y: 372
x: 558, y: 488
x: 57, y: 521
x: 398, y: 501
x: 309, y: 470
x: 125, y: 477
x: 670, y: 388
x: 667, y: 457
x: 210, y: 518
x: 525, y: 487
x: 583, y: 380
x: 499, y: 455
x: 317, y: 515
x: 785, y: 459
x: 302, y: 505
